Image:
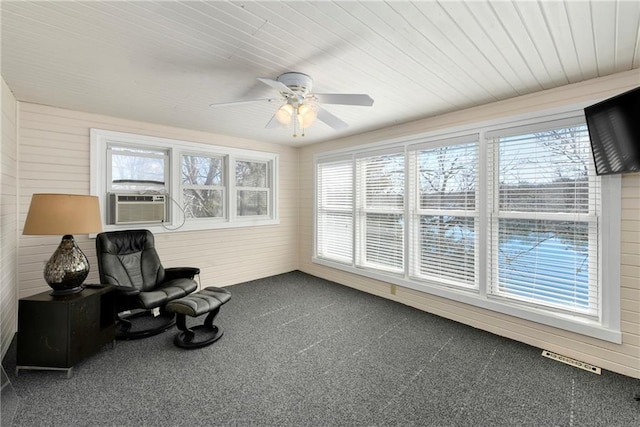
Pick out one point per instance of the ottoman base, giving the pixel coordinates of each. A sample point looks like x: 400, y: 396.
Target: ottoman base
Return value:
x: 208, y: 300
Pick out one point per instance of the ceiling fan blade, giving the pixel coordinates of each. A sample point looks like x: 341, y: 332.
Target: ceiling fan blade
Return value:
x: 273, y: 123
x: 244, y: 101
x: 344, y: 99
x: 330, y: 119
x: 279, y: 86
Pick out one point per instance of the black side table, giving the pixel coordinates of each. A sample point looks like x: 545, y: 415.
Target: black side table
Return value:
x: 56, y: 333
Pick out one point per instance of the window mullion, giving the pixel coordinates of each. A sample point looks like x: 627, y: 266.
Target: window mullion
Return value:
x: 231, y: 185
x: 410, y: 236
x: 173, y: 186
x: 482, y: 226
x: 354, y: 210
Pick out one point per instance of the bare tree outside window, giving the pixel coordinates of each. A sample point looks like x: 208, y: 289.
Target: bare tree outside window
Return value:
x: 252, y: 188
x: 202, y: 186
x: 447, y: 181
x: 541, y: 255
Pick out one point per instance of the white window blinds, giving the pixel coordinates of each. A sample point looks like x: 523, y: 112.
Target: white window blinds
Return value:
x: 380, y: 212
x: 334, y: 218
x: 544, y: 219
x: 511, y: 219
x: 445, y: 216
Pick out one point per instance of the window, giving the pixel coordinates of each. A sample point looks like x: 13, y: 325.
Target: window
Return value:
x: 335, y: 210
x: 203, y: 190
x: 445, y: 212
x: 252, y: 188
x: 544, y: 228
x: 202, y: 186
x: 512, y: 219
x: 380, y: 212
x: 137, y: 169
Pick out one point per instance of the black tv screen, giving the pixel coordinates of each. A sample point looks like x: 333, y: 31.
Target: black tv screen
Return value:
x: 614, y: 130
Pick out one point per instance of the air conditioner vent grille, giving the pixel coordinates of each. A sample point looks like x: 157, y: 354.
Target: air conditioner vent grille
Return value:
x: 137, y: 208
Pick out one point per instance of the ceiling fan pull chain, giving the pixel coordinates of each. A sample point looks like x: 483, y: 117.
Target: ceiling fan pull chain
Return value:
x: 295, y: 123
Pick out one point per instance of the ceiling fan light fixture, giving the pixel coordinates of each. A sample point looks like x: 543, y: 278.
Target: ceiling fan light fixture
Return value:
x: 307, y: 115
x: 284, y: 113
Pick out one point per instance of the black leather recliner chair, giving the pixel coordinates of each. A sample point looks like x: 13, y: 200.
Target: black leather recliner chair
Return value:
x: 128, y: 260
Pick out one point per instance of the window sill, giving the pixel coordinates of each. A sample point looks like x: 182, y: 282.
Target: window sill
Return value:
x: 193, y: 226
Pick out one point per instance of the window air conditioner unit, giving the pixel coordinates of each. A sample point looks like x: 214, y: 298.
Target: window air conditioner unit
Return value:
x: 136, y: 208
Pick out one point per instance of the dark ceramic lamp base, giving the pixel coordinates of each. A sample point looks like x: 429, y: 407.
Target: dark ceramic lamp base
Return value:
x: 68, y: 267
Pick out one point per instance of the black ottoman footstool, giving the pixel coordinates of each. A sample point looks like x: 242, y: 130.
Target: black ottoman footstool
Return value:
x: 209, y: 300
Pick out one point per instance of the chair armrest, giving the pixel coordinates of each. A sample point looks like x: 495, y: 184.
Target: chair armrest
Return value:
x: 180, y: 273
x: 127, y: 291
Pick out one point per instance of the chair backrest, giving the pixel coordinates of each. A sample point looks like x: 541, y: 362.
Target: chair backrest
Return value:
x: 129, y: 258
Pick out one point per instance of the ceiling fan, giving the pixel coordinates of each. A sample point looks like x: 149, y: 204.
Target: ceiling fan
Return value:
x: 299, y: 106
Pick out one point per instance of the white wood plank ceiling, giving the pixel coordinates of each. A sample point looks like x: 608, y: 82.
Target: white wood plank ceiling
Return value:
x: 165, y: 62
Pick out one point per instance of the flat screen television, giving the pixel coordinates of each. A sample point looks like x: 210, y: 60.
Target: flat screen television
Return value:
x: 614, y: 130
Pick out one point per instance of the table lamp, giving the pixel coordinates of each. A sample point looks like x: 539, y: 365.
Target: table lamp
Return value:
x: 67, y: 214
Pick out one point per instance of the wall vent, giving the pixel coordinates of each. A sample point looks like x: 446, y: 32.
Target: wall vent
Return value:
x: 572, y: 362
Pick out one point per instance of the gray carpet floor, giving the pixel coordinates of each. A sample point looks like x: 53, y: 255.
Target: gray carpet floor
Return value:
x: 302, y: 351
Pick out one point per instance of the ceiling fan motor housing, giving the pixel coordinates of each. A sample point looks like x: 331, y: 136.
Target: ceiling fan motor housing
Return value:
x: 299, y: 83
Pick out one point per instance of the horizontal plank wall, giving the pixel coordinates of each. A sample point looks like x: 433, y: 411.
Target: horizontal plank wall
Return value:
x: 54, y: 157
x: 622, y: 358
x: 8, y: 213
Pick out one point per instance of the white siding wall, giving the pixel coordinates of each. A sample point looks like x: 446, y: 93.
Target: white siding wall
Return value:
x: 54, y: 157
x: 8, y: 212
x: 630, y: 265
x: 624, y: 358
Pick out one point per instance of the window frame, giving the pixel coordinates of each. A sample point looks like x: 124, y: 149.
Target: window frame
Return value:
x: 101, y: 139
x: 109, y: 171
x: 235, y: 188
x: 326, y: 209
x: 590, y: 218
x: 417, y: 211
x: 223, y: 188
x: 606, y: 327
x: 362, y: 211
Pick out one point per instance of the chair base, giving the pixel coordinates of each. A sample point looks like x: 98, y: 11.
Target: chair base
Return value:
x: 154, y: 325
x: 206, y: 335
